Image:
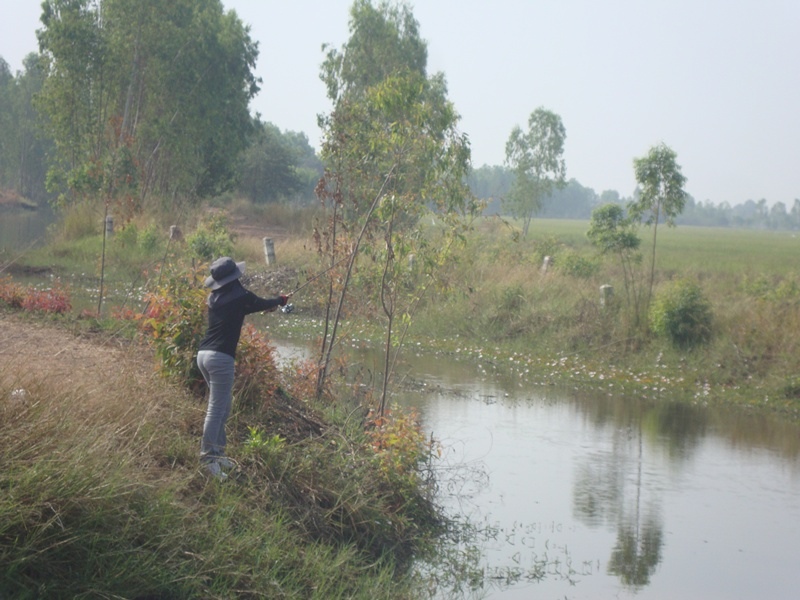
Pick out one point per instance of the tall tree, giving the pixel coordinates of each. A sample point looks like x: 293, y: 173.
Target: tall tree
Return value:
x: 536, y: 158
x: 153, y: 93
x: 661, y: 194
x: 384, y: 40
x: 393, y: 154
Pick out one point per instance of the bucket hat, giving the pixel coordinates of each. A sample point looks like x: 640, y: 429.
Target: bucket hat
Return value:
x: 224, y: 270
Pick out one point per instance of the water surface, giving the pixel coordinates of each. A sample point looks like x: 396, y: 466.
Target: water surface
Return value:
x: 580, y: 495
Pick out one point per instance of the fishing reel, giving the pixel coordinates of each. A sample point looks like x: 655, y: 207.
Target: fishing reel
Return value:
x: 287, y: 308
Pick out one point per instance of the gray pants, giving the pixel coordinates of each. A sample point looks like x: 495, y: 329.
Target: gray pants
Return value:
x: 218, y: 371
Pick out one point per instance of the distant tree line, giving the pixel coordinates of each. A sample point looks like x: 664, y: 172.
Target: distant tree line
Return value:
x: 492, y: 183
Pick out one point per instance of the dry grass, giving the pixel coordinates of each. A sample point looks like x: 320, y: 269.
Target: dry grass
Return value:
x: 103, y: 494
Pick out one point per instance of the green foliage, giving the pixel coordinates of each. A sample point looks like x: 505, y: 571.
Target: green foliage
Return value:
x: 127, y: 236
x: 148, y: 238
x: 791, y: 389
x: 548, y: 245
x: 144, y: 97
x: 660, y: 193
x: 660, y: 187
x: 400, y: 448
x: 511, y: 298
x: 269, y: 450
x: 536, y: 158
x: 261, y: 442
x: 211, y: 239
x: 394, y: 156
x: 383, y: 40
x: 268, y: 169
x: 683, y: 315
x: 102, y: 497
x: 174, y: 321
x: 772, y: 288
x: 575, y: 265
x: 23, y: 150
x: 611, y: 232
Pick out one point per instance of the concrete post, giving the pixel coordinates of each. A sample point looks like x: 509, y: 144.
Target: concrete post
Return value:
x: 606, y: 295
x: 269, y: 251
x: 546, y: 263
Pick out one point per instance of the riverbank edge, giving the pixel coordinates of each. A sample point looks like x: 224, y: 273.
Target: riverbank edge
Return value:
x: 572, y: 371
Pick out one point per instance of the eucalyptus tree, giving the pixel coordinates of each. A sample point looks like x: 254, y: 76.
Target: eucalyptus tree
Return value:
x: 145, y: 97
x: 393, y: 155
x: 536, y: 159
x: 611, y: 231
x: 661, y: 194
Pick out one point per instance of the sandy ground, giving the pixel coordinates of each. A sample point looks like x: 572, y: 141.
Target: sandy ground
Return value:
x: 34, y: 353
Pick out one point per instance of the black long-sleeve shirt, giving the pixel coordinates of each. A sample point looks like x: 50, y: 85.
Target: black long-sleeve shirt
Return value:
x: 227, y: 308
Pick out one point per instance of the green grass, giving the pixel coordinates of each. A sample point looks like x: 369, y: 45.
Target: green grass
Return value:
x: 102, y: 497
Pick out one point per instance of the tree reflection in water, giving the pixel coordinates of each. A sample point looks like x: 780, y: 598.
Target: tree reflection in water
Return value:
x: 637, y: 552
x: 610, y: 489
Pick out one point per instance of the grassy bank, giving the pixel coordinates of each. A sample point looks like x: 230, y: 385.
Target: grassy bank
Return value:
x: 102, y: 495
x: 502, y: 304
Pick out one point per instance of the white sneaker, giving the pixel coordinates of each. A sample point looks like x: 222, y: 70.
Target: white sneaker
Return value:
x: 214, y: 469
x: 225, y: 462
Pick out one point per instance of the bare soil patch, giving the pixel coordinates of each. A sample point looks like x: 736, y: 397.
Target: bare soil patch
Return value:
x: 34, y: 353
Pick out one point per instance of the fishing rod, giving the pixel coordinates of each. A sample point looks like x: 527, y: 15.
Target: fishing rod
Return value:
x: 290, y: 307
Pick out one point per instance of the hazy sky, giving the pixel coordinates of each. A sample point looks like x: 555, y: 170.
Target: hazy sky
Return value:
x: 716, y: 80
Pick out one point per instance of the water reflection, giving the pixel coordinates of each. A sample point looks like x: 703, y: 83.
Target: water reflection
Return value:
x: 610, y: 486
x: 637, y: 551
x: 576, y: 495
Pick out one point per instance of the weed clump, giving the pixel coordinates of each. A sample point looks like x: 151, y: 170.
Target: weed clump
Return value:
x: 683, y: 315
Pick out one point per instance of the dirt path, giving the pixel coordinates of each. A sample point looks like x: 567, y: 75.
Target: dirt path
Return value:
x: 33, y: 353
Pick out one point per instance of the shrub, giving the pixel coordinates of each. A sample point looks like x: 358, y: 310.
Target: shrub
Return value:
x: 175, y: 320
x: 575, y: 265
x: 148, y: 238
x: 211, y: 239
x: 126, y: 236
x: 257, y: 377
x: 55, y: 300
x: 11, y: 293
x: 682, y: 314
x: 400, y: 447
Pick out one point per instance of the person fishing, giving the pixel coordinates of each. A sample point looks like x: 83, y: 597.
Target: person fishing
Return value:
x: 228, y: 304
